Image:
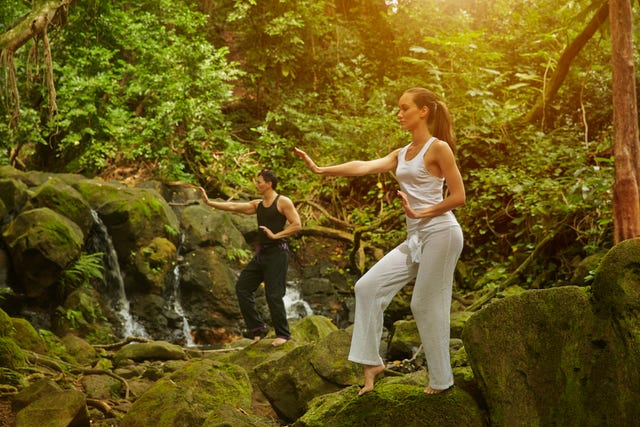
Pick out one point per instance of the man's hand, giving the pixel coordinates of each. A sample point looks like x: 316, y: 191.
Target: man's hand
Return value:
x: 268, y: 232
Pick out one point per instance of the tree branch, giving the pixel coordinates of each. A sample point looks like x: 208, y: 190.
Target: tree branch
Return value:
x: 514, y: 275
x: 35, y: 25
x: 564, y: 63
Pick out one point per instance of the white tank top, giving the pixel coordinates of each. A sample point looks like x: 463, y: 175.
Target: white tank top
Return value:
x: 422, y: 189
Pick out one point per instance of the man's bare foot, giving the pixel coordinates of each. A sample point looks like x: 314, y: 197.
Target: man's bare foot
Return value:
x: 430, y: 390
x: 279, y: 341
x: 370, y: 374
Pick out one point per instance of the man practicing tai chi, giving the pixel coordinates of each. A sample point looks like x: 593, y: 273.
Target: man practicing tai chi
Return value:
x: 277, y: 220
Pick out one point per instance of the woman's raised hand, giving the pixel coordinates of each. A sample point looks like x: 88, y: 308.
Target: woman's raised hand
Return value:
x: 310, y: 163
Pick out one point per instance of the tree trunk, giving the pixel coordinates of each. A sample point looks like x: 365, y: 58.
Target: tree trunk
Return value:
x: 626, y: 197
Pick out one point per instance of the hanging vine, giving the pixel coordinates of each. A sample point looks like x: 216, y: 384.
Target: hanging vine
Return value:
x: 36, y: 25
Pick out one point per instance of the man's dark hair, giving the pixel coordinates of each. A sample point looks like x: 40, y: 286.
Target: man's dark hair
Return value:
x: 269, y: 176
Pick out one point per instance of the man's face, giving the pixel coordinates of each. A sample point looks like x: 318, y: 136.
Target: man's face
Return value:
x: 262, y: 185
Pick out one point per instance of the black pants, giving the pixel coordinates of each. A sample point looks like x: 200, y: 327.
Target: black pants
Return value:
x: 268, y: 266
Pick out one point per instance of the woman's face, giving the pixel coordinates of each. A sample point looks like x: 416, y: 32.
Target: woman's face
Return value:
x: 409, y: 114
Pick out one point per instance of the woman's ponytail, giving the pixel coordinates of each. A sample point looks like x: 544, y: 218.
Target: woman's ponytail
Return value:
x: 439, y: 119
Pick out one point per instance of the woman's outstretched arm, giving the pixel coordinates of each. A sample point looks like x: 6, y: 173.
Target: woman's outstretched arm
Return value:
x: 352, y: 168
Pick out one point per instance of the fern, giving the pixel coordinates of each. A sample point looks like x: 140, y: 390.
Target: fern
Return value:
x: 88, y: 267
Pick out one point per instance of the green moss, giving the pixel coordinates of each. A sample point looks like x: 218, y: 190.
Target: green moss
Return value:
x: 11, y: 356
x: 189, y: 396
x: 27, y: 336
x: 393, y: 405
x: 6, y: 324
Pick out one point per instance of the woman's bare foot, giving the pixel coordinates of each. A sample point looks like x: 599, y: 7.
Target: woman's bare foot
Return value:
x: 370, y: 374
x: 430, y: 390
x: 279, y: 341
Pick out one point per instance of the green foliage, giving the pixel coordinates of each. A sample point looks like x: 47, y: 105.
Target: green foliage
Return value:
x: 549, y: 187
x: 74, y: 317
x: 84, y: 271
x: 238, y: 254
x: 138, y: 82
x: 151, y: 83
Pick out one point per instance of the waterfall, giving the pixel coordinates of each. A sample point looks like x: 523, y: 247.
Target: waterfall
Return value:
x: 113, y: 280
x: 297, y: 308
x: 173, y: 302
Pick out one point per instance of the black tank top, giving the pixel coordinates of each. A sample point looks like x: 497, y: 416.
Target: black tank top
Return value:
x: 273, y: 220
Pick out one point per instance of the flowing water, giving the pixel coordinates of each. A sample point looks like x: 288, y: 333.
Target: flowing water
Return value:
x: 297, y: 308
x: 114, y: 283
x: 173, y: 303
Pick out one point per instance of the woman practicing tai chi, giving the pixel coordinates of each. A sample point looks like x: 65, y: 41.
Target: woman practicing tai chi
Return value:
x: 432, y: 247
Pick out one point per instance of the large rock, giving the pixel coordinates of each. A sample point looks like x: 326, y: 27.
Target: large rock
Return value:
x: 42, y: 243
x: 305, y: 372
x: 561, y: 357
x: 204, y: 226
x: 60, y: 197
x: 203, y: 393
x: 531, y: 353
x: 13, y: 194
x: 207, y: 290
x: 133, y: 217
x: 64, y: 408
x: 393, y: 404
x: 153, y: 350
x: 27, y: 336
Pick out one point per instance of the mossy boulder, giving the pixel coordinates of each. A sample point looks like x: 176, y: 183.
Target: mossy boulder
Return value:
x: 13, y: 193
x: 253, y: 355
x: 133, y: 216
x: 207, y: 289
x: 306, y: 371
x: 83, y: 312
x: 155, y: 261
x: 203, y: 393
x: 405, y: 340
x: 34, y: 392
x: 559, y: 357
x: 6, y: 324
x: 529, y: 357
x: 290, y: 382
x: 60, y: 197
x: 27, y: 336
x: 83, y: 352
x: 152, y: 350
x: 329, y: 359
x: 393, y: 404
x: 204, y: 226
x: 616, y: 284
x: 62, y: 408
x: 11, y: 355
x: 458, y: 320
x: 42, y: 243
x: 312, y: 328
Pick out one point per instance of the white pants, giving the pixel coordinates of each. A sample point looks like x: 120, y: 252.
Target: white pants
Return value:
x: 430, y: 302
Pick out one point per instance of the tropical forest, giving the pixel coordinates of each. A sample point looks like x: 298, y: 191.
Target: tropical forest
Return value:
x: 181, y: 95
